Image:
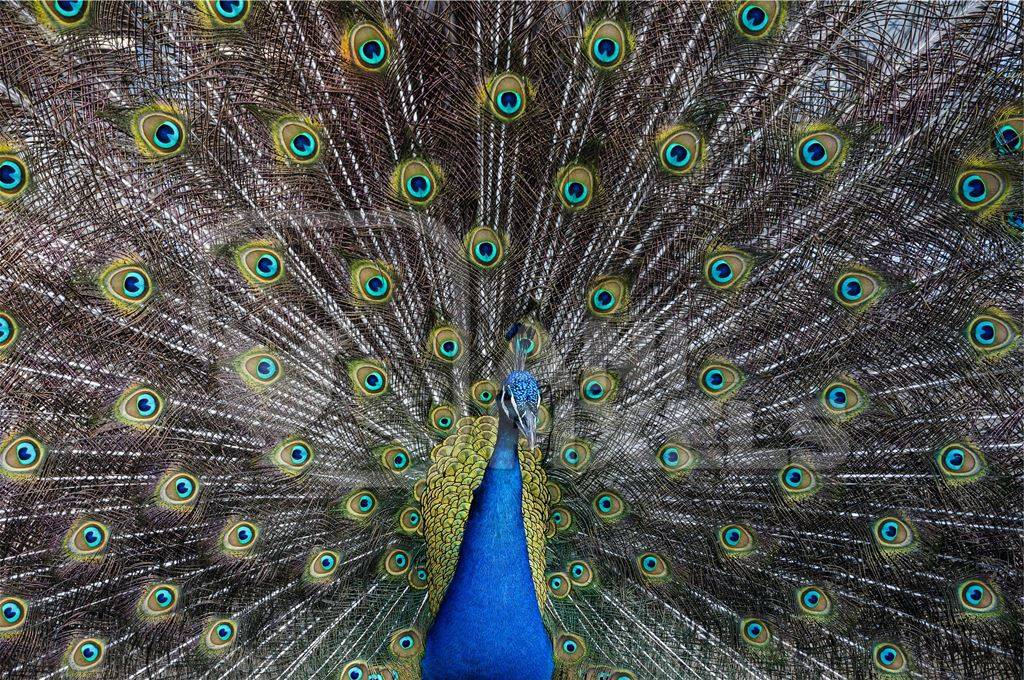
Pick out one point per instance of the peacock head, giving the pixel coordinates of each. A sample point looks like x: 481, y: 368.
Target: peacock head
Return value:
x: 520, y: 400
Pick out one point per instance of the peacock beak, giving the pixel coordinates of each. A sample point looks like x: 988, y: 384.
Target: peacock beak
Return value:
x: 524, y: 416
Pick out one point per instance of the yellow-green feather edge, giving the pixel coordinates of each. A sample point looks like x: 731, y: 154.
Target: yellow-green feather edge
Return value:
x: 458, y: 468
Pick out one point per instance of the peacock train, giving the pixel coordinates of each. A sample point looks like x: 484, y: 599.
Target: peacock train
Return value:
x: 538, y: 340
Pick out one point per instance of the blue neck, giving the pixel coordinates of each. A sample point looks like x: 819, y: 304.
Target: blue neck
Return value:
x: 489, y: 624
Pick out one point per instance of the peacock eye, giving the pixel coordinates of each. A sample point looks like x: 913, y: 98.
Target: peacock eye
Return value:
x: 485, y: 248
x: 397, y: 562
x: 369, y: 378
x: 756, y: 18
x: 960, y: 462
x: 857, y: 288
x: 442, y: 418
x: 843, y: 399
x: 8, y: 331
x: 1015, y: 222
x: 406, y: 643
x: 416, y: 182
x: 14, y: 177
x: 608, y: 506
x: 679, y: 151
x: 259, y: 263
x: 726, y: 268
x: 1007, y: 135
x: 219, y: 634
x: 607, y: 295
x: 976, y: 597
x: 239, y: 537
x: 889, y: 658
x: 85, y: 654
x: 139, y: 406
x: 606, y: 45
x: 992, y: 333
x: 569, y: 648
x: 258, y: 369
x: 359, y: 505
x: 819, y: 151
x: 322, y: 564
x: 813, y: 601
x: 159, y: 133
x: 559, y: 585
x: 797, y: 481
x: 355, y: 670
x: 892, y: 533
x: 230, y: 12
x: 22, y: 456
x: 483, y: 392
x: 410, y: 521
x: 675, y: 458
x: 736, y: 539
x: 394, y: 457
x: 13, y: 611
x: 580, y: 573
x: 178, y: 490
x: 575, y: 455
x: 720, y: 379
x: 561, y: 518
x: 372, y: 281
x: 296, y: 141
x: 507, y: 97
x: 66, y: 13
x: 159, y: 600
x: 653, y: 566
x: 575, y: 186
x: 292, y: 456
x: 598, y: 387
x: 87, y: 539
x: 418, y: 578
x: 755, y: 632
x: 128, y: 286
x: 979, y: 188
x: 369, y: 47
x: 445, y: 343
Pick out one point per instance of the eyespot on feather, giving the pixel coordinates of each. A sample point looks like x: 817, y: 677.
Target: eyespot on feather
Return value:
x: 158, y: 601
x: 219, y: 634
x: 372, y: 282
x: 22, y: 456
x: 13, y: 613
x: 292, y: 456
x: 368, y: 47
x: 727, y: 268
x: 160, y: 132
x: 756, y: 19
x: 15, y: 176
x: 177, y: 490
x: 607, y: 44
x: 369, y: 378
x: 507, y: 97
x: 260, y: 263
x: 575, y: 187
x: 239, y: 538
x: 680, y: 150
x: 139, y: 406
x: 296, y: 140
x: 127, y: 285
x: 225, y: 14
x: 85, y: 654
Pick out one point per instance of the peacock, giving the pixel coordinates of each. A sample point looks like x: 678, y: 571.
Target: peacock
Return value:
x: 534, y: 340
